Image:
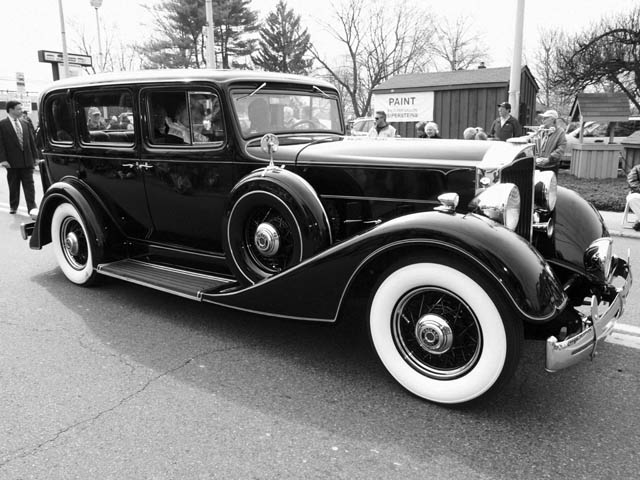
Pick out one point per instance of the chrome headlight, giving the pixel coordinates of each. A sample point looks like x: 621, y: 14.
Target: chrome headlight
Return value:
x: 546, y: 190
x: 597, y: 258
x: 501, y: 203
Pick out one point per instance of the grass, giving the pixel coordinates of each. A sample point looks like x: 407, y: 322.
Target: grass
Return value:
x: 606, y: 194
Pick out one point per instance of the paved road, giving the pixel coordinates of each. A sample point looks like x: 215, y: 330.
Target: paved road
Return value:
x: 123, y: 382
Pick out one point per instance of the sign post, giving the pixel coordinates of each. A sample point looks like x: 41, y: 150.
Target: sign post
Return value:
x: 56, y: 58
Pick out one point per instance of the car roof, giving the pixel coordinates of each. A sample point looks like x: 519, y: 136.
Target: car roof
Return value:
x: 184, y: 75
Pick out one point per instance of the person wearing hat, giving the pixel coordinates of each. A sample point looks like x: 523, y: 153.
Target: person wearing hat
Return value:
x: 95, y: 121
x: 551, y: 142
x: 633, y: 198
x: 506, y: 125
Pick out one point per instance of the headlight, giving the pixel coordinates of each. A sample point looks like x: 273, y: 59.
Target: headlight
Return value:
x: 597, y: 258
x: 500, y: 203
x: 546, y: 190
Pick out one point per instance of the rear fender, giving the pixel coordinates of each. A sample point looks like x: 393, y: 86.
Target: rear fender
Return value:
x: 316, y: 288
x: 79, y: 195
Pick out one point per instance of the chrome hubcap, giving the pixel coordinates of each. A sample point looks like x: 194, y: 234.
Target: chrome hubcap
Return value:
x: 434, y: 334
x: 267, y: 240
x: 71, y: 244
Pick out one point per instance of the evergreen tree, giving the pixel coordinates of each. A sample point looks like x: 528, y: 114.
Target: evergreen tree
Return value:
x: 179, y: 41
x: 283, y: 44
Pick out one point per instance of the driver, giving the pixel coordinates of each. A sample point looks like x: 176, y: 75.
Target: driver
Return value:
x: 289, y: 120
x: 258, y: 115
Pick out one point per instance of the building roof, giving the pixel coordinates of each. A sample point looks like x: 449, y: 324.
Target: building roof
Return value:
x: 442, y: 80
x: 600, y: 107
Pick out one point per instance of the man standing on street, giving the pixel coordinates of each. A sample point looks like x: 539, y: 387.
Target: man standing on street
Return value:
x: 382, y: 129
x: 550, y: 141
x: 18, y: 155
x: 505, y: 126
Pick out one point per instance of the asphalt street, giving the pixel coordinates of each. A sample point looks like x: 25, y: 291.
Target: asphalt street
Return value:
x: 122, y: 382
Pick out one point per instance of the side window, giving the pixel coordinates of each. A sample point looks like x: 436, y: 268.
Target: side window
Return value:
x: 59, y: 119
x: 184, y: 118
x: 106, y: 117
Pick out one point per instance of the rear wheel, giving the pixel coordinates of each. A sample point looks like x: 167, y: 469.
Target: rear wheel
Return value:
x: 444, y: 333
x: 73, y: 245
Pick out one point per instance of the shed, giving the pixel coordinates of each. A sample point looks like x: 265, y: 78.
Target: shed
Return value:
x: 600, y: 107
x: 454, y: 100
x: 598, y: 160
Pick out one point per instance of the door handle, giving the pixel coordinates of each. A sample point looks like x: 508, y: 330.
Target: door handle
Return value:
x: 145, y: 166
x: 129, y: 165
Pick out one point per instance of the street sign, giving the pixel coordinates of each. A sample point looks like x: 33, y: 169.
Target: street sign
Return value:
x: 20, y: 86
x: 56, y: 57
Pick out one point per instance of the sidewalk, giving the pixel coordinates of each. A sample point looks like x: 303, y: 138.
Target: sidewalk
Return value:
x: 613, y: 221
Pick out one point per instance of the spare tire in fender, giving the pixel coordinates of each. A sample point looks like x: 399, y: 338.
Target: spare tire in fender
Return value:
x: 273, y: 220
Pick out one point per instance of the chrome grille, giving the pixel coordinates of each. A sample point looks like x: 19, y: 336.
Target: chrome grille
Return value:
x: 521, y: 174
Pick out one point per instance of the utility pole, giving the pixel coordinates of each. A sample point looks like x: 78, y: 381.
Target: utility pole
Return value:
x: 516, y: 62
x: 211, y: 51
x: 97, y: 4
x: 65, y: 55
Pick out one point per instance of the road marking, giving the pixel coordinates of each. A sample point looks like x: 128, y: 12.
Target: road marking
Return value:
x: 625, y: 335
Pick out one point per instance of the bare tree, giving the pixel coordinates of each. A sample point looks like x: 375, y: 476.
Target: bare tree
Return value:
x: 377, y: 41
x: 546, y: 69
x: 457, y: 44
x: 606, y: 56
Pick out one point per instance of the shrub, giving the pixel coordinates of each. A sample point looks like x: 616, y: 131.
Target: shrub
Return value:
x: 606, y: 194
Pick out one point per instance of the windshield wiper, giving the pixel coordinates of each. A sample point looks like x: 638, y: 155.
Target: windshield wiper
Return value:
x: 253, y: 93
x: 321, y: 91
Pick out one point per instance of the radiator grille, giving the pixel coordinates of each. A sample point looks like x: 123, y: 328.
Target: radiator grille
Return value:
x: 521, y: 173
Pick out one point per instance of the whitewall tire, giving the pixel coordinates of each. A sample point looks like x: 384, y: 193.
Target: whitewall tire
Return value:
x: 72, y: 244
x: 443, y: 335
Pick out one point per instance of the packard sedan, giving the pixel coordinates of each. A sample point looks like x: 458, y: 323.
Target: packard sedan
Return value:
x: 241, y: 189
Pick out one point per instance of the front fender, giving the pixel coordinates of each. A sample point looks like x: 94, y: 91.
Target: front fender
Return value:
x: 577, y: 225
x: 315, y: 288
x: 74, y: 192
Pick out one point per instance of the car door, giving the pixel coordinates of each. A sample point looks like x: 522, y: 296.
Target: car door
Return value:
x: 187, y: 165
x: 109, y: 154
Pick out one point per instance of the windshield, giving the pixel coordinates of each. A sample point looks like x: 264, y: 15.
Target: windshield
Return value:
x: 284, y: 112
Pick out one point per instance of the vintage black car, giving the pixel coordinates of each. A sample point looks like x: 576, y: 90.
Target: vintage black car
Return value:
x: 241, y: 189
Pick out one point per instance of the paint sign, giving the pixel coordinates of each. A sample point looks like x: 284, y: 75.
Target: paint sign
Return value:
x: 405, y: 107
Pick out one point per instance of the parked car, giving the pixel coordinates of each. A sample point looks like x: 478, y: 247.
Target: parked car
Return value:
x: 361, y: 126
x: 596, y: 132
x: 449, y: 250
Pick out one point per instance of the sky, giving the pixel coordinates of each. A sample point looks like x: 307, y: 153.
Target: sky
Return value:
x: 36, y: 26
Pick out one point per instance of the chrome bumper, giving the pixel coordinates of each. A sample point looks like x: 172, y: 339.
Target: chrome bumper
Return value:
x: 595, y: 328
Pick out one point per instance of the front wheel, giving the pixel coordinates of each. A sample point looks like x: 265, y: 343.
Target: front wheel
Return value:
x: 444, y: 334
x: 72, y: 245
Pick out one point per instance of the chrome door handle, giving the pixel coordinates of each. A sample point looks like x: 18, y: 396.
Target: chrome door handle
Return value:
x: 145, y: 166
x: 129, y: 165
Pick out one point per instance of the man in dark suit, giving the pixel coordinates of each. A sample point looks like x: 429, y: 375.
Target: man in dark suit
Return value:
x: 18, y: 155
x: 506, y: 125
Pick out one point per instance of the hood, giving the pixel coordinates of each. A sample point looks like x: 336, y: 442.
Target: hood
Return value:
x: 403, y: 152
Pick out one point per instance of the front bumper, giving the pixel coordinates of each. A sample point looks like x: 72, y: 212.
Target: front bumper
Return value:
x: 595, y: 327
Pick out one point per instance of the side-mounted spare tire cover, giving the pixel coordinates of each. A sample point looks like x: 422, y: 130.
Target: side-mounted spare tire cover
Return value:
x: 273, y: 220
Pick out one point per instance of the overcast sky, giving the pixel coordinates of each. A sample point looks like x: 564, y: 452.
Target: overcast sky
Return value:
x: 33, y: 25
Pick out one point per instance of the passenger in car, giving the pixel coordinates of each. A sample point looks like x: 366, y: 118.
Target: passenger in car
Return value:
x: 258, y: 116
x: 95, y: 120
x: 180, y: 127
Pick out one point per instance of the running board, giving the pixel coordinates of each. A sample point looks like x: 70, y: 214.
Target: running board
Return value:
x: 183, y: 283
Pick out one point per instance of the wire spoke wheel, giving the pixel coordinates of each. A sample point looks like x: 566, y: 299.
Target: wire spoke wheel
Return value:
x: 444, y: 330
x: 437, y: 333
x: 269, y: 240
